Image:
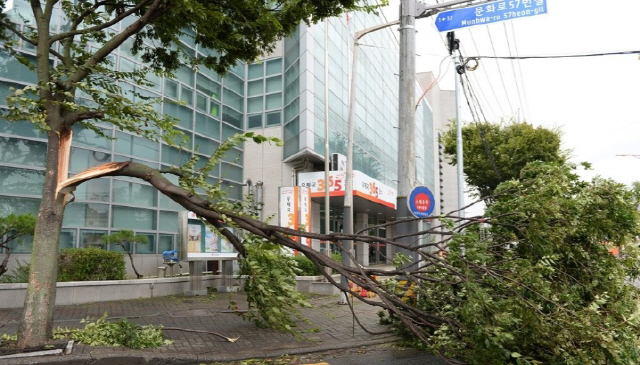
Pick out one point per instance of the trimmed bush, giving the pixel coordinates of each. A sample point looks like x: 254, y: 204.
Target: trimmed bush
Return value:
x: 90, y: 264
x: 308, y: 268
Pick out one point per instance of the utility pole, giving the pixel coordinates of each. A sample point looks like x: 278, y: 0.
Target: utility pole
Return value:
x: 410, y: 10
x: 454, y: 45
x: 406, y: 121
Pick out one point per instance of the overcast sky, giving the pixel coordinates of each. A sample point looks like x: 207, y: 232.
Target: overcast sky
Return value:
x: 594, y: 101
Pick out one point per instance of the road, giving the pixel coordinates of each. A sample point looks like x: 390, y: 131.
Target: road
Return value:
x: 382, y: 354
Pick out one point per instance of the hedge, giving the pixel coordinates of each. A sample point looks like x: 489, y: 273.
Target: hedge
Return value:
x: 90, y: 264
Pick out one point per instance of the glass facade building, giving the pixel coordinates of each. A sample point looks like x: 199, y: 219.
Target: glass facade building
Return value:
x: 208, y: 107
x: 376, y: 109
x: 284, y: 93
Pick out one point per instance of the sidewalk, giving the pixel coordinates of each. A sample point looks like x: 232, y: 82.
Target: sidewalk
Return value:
x: 330, y: 327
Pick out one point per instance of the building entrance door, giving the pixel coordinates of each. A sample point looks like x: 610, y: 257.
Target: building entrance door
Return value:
x: 335, y: 225
x: 377, y: 250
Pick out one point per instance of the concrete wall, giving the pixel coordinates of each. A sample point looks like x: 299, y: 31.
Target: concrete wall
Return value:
x: 80, y: 292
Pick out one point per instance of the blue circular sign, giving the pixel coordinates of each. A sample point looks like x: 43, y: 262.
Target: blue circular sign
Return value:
x: 421, y: 202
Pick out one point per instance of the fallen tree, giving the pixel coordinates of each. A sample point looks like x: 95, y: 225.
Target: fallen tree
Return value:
x: 530, y: 283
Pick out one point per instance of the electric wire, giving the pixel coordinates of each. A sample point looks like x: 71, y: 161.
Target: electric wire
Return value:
x: 500, y: 71
x: 476, y: 110
x: 513, y: 67
x: 578, y: 55
x: 493, y: 91
x: 481, y: 131
x: 436, y: 80
x: 474, y: 97
x: 524, y: 89
x: 484, y: 97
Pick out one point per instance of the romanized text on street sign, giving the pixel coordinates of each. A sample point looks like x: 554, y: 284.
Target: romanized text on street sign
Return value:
x: 496, y: 11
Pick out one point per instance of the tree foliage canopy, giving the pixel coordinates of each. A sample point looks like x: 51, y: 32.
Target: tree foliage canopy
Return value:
x: 152, y: 30
x: 542, y: 288
x: 511, y: 146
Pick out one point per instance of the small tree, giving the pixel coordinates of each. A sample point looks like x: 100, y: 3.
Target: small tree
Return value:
x: 496, y: 152
x: 12, y: 227
x: 127, y: 240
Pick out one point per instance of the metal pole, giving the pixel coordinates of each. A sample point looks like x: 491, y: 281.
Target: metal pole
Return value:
x: 406, y: 121
x: 348, y: 176
x: 459, y: 155
x: 327, y: 216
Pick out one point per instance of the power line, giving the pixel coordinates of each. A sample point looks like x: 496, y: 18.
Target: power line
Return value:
x: 486, y: 100
x: 484, y: 97
x: 524, y: 89
x: 513, y: 67
x: 487, y: 76
x: 616, y: 53
x: 481, y: 130
x: 500, y: 71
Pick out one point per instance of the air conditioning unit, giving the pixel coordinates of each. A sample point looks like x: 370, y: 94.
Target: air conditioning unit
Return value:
x: 338, y: 162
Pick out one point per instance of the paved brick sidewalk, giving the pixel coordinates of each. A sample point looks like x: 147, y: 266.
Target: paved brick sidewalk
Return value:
x: 330, y: 327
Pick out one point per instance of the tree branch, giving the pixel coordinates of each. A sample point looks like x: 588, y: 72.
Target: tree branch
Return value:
x: 154, y: 10
x: 78, y: 21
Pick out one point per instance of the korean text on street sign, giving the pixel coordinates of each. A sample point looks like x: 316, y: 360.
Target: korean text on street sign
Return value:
x: 492, y: 12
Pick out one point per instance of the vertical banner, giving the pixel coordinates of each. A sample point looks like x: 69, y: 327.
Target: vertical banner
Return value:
x: 289, y: 208
x: 305, y: 213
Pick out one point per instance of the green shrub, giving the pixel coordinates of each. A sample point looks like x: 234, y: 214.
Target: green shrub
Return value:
x: 306, y: 266
x: 337, y: 257
x: 88, y: 264
x: 19, y: 274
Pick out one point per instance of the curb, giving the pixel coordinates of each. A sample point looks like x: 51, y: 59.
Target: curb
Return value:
x: 134, y: 357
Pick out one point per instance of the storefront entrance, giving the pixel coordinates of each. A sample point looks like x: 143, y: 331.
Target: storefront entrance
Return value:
x: 378, y: 250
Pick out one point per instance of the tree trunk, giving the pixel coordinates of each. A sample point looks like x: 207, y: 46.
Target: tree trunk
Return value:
x: 138, y: 276
x: 5, y: 261
x: 37, y: 316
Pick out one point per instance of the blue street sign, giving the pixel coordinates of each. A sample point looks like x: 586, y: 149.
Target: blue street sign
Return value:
x: 421, y: 202
x: 492, y: 12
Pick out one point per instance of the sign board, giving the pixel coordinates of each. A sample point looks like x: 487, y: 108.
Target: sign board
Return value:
x: 305, y: 214
x: 492, y: 12
x: 363, y: 186
x: 198, y: 241
x: 421, y: 202
x: 295, y: 210
x: 288, y: 205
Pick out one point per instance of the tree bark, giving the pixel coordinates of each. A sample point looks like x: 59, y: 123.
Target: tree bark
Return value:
x: 5, y: 261
x: 133, y: 266
x: 37, y: 316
